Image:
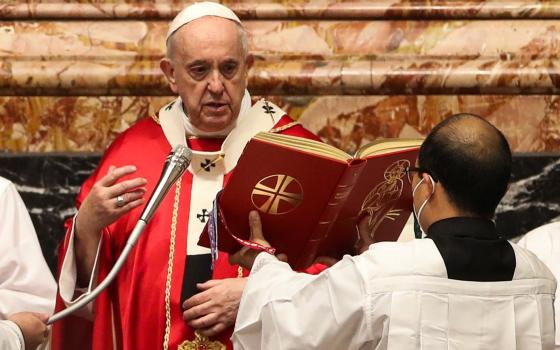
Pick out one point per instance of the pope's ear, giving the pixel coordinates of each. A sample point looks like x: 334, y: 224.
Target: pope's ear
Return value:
x: 166, y: 67
x: 249, y: 61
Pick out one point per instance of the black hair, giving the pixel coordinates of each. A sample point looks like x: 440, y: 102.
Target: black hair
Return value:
x: 471, y: 159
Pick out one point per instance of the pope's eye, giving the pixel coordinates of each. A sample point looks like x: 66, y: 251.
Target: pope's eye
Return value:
x: 229, y: 69
x: 198, y: 71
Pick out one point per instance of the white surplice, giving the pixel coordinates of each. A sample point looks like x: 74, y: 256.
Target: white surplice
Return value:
x: 26, y: 283
x: 396, y: 295
x: 544, y: 241
x: 10, y: 336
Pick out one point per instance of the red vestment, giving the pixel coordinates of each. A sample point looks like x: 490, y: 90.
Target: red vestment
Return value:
x: 131, y: 312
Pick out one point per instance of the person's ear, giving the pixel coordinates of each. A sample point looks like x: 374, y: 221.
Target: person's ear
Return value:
x: 168, y: 70
x: 248, y: 64
x: 429, y: 181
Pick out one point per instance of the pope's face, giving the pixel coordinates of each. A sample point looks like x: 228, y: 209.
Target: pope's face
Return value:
x: 208, y: 69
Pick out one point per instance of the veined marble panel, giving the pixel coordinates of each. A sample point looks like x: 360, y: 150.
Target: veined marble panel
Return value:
x: 381, y: 9
x: 55, y: 124
x: 533, y: 197
x: 48, y: 184
x: 530, y: 123
x: 313, y: 57
x: 382, y: 40
x: 59, y: 124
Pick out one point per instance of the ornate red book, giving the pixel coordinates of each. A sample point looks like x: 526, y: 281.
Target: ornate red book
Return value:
x: 310, y: 195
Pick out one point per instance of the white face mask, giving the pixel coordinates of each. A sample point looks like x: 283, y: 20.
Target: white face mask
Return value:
x: 421, y: 234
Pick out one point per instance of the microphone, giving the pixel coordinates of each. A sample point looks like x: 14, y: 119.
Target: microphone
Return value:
x: 175, y: 165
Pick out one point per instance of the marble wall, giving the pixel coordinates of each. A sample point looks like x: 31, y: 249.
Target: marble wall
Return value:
x: 88, y: 124
x: 310, y: 57
x: 272, y: 9
x: 73, y: 74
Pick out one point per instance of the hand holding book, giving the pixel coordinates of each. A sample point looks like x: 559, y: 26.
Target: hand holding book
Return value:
x: 246, y: 256
x: 366, y: 236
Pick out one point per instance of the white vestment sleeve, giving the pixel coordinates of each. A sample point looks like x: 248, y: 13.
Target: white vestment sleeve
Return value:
x: 10, y: 336
x: 283, y: 309
x: 544, y: 242
x: 26, y: 283
x: 69, y: 292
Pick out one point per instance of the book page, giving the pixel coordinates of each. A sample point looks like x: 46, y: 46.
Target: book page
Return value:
x: 384, y: 146
x: 304, y: 145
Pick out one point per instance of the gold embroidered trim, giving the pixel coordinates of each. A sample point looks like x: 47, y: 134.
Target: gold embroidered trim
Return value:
x: 170, y: 266
x: 283, y: 127
x: 200, y: 341
x: 192, y: 137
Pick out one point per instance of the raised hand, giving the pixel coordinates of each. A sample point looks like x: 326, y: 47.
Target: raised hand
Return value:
x: 105, y: 203
x: 109, y: 199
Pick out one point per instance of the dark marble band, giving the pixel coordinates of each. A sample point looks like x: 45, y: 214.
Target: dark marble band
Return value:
x: 48, y: 184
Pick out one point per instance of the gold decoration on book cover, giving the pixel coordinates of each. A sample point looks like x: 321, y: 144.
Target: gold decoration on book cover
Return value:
x: 277, y: 194
x: 379, y: 203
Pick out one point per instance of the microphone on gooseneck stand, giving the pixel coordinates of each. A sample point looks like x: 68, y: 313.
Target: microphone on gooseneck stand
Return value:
x: 175, y: 165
